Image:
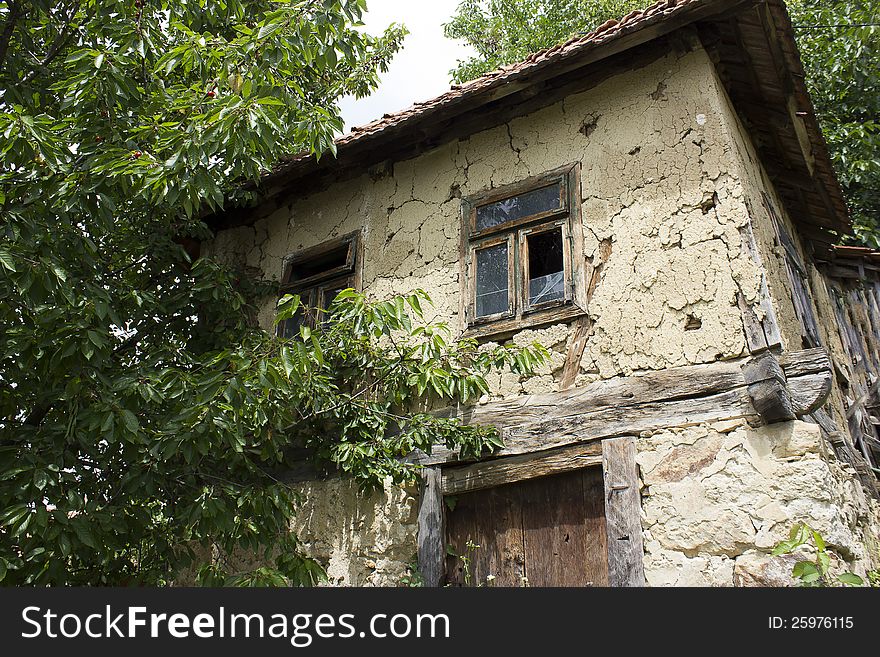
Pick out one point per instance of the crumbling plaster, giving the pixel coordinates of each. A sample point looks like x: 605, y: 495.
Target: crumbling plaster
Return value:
x: 666, y: 173
x: 756, y: 182
x: 655, y: 183
x: 360, y: 540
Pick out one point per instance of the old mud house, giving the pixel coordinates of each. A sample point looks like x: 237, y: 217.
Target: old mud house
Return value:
x: 653, y: 202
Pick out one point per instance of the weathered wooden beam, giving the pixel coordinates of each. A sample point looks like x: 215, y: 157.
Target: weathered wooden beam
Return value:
x: 767, y: 389
x: 761, y: 333
x: 810, y: 392
x: 674, y: 397
x: 431, y: 528
x: 575, y: 352
x: 486, y: 474
x: 623, y: 512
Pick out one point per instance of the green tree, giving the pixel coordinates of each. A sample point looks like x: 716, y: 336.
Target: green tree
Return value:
x: 143, y: 414
x: 507, y: 31
x: 839, y: 42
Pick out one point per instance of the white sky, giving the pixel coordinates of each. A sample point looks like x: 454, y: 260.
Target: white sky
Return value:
x: 420, y: 70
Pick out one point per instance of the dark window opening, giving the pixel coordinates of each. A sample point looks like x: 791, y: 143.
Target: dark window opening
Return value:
x: 331, y: 260
x: 318, y: 275
x: 546, y: 267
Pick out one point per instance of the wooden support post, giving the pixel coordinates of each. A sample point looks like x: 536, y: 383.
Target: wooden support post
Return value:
x: 767, y: 388
x: 431, y: 528
x: 575, y: 352
x: 623, y: 512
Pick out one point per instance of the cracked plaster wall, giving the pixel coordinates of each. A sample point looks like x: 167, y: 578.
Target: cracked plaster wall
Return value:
x: 849, y: 498
x: 755, y: 182
x: 664, y: 180
x: 655, y: 183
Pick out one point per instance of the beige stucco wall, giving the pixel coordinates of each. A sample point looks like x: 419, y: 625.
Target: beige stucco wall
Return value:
x: 665, y: 178
x: 654, y: 156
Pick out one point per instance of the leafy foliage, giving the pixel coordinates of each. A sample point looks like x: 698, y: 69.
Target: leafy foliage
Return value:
x: 503, y: 32
x: 813, y: 573
x: 143, y: 414
x: 839, y: 43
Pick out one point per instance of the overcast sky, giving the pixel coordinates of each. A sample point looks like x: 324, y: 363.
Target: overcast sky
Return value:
x: 420, y: 70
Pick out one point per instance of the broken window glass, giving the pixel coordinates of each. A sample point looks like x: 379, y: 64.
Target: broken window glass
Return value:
x: 492, y: 280
x: 546, y: 266
x: 539, y: 200
x: 523, y: 274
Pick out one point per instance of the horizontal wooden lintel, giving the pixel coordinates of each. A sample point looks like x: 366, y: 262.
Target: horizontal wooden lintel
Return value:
x: 674, y: 397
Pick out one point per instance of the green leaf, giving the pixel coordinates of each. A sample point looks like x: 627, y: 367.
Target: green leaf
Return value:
x: 6, y: 260
x: 803, y: 570
x: 129, y: 420
x: 824, y: 562
x: 851, y: 579
x: 84, y: 534
x: 40, y: 479
x: 819, y: 541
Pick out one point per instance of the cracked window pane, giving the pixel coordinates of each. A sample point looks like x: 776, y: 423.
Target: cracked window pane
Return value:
x: 546, y: 267
x: 492, y: 280
x: 517, y: 207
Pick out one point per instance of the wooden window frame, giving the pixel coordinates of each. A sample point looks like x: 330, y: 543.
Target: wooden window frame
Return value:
x: 511, y: 280
x: 521, y: 314
x: 346, y: 275
x: 527, y: 306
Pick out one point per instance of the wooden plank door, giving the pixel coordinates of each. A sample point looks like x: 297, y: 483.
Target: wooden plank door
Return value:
x: 548, y: 531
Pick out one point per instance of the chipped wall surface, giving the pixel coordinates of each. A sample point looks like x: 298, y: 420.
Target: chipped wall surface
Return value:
x: 716, y: 499
x: 360, y: 541
x: 669, y: 178
x: 654, y: 182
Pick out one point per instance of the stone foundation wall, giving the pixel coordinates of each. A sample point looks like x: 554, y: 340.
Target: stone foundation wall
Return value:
x: 717, y: 499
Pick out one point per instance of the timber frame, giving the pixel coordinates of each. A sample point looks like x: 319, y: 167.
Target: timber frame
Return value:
x: 599, y: 424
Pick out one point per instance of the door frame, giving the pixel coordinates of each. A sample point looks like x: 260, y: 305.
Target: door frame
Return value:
x: 617, y: 456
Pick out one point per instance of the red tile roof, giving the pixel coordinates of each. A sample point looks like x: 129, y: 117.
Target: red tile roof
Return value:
x: 608, y: 31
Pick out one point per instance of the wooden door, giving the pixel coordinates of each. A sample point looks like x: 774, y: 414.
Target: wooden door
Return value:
x: 548, y: 531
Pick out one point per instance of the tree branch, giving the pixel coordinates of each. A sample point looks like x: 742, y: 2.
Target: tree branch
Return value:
x: 59, y: 43
x: 15, y: 12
